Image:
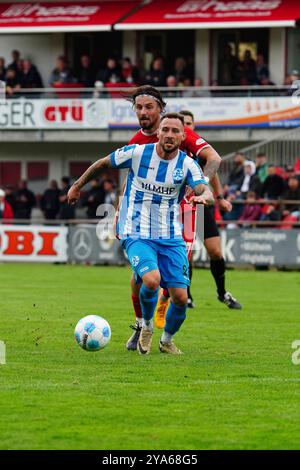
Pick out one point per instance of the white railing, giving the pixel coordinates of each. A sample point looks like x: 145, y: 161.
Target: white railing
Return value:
x: 180, y: 91
x: 280, y: 150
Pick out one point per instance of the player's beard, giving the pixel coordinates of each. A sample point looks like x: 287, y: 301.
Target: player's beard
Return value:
x: 146, y: 124
x: 169, y: 149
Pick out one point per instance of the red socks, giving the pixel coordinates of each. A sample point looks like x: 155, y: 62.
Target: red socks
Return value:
x: 136, y: 306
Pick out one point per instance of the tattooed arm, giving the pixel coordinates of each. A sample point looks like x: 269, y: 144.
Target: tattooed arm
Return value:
x: 203, y: 195
x: 213, y: 161
x: 91, y: 173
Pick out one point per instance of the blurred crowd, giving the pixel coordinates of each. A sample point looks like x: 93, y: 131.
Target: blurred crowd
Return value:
x: 258, y: 191
x: 19, y: 203
x: 233, y: 72
x: 21, y: 74
x: 262, y: 191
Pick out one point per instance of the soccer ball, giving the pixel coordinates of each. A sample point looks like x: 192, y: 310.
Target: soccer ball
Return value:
x: 92, y: 333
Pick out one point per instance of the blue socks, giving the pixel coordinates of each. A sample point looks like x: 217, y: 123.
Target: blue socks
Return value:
x: 148, y: 299
x: 174, y: 318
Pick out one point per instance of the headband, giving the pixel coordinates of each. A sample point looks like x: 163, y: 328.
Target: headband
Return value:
x: 149, y: 96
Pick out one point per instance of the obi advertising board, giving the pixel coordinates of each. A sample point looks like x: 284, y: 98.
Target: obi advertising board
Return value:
x: 30, y: 243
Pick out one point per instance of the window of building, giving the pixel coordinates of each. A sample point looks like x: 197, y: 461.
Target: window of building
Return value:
x: 10, y: 173
x: 234, y: 54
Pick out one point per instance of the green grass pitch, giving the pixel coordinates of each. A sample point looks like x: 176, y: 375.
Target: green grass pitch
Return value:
x: 234, y: 388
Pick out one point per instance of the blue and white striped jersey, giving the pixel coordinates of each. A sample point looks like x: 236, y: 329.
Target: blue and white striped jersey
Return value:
x: 154, y: 189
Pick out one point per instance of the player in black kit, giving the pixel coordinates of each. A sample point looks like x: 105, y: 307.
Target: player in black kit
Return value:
x: 212, y: 239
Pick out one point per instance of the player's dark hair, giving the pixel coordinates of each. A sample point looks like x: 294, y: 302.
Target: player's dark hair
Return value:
x: 146, y: 90
x: 185, y: 112
x: 173, y: 116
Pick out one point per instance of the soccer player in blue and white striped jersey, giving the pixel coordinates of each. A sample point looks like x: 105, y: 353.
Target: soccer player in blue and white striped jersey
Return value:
x: 149, y: 228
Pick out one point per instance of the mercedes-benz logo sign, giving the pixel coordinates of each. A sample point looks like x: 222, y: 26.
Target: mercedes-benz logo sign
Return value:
x: 82, y: 244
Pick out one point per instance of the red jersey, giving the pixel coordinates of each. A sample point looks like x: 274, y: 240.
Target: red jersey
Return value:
x: 192, y: 144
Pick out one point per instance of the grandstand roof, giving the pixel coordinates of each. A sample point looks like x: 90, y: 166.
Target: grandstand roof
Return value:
x: 206, y: 14
x: 63, y: 16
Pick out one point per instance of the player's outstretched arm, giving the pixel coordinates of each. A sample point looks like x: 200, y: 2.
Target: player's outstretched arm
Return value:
x: 224, y: 205
x: 213, y: 161
x: 203, y: 195
x: 91, y: 173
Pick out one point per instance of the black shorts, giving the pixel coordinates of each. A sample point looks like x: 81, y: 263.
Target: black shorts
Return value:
x: 210, y: 226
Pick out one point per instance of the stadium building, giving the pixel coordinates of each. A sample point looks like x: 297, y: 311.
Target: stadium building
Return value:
x: 67, y: 66
x: 53, y: 134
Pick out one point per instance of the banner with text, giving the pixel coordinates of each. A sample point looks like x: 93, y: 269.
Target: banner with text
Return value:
x: 33, y: 243
x: 54, y: 114
x: 210, y: 112
x: 257, y: 247
x: 95, y: 244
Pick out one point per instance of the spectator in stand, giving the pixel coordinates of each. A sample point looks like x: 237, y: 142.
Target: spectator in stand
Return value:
x: 294, y: 76
x: 270, y: 213
x: 130, y: 73
x: 237, y: 208
x: 2, y: 69
x: 292, y: 193
x: 50, y: 203
x: 249, y: 69
x: 67, y: 212
x: 25, y: 201
x: 251, y: 181
x: 293, y: 81
x: 16, y: 56
x: 13, y: 84
x: 6, y: 211
x: 261, y: 166
x: 297, y: 167
x: 237, y: 174
x: 273, y: 185
x: 228, y: 68
x: 181, y: 71
x: 86, y: 73
x: 111, y: 73
x: 288, y: 171
x: 20, y: 63
x: 262, y: 69
x: 10, y: 197
x: 265, y: 80
x: 198, y: 83
x: 62, y: 73
x: 190, y: 68
x: 252, y: 210
x: 157, y: 75
x: 171, y: 83
x: 93, y: 198
x: 30, y: 77
x: 109, y: 191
